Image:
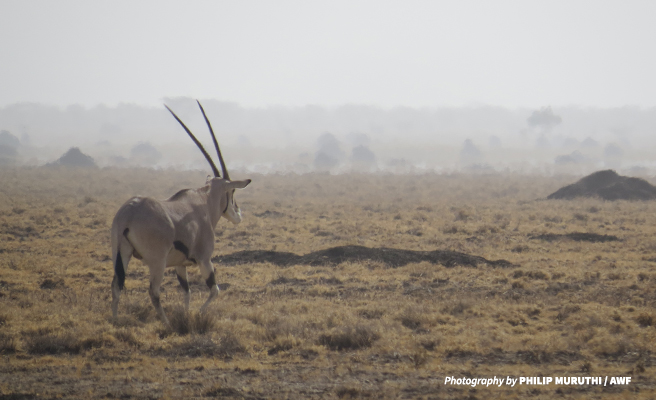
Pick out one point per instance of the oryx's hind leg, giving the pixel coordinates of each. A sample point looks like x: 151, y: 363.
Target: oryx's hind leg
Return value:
x: 184, y: 284
x: 207, y: 269
x: 121, y: 260
x: 156, y: 275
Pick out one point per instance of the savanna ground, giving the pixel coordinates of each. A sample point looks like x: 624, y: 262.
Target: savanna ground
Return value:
x: 362, y: 328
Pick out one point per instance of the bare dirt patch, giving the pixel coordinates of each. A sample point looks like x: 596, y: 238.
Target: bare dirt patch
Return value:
x: 577, y: 236
x: 336, y: 255
x: 497, y: 357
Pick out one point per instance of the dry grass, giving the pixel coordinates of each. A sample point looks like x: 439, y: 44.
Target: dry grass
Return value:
x: 572, y: 305
x: 185, y: 323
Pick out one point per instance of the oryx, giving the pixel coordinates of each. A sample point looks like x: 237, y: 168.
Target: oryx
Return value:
x: 176, y: 232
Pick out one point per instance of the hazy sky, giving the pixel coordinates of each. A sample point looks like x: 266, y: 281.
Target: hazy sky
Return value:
x: 293, y: 53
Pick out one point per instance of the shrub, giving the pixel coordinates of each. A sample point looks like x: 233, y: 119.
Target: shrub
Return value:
x: 350, y: 338
x: 46, y: 342
x: 141, y: 310
x: 205, y: 346
x: 7, y: 344
x: 645, y: 320
x: 127, y: 336
x: 184, y: 323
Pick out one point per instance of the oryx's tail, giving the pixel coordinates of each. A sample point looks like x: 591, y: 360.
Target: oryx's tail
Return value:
x: 119, y: 266
x: 119, y: 270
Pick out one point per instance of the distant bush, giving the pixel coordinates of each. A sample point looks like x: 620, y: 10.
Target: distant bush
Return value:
x: 362, y: 154
x: 8, y: 140
x: 75, y: 158
x: 146, y: 153
x: 329, y: 154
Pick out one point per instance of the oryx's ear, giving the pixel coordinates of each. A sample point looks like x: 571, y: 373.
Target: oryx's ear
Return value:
x: 238, y: 184
x: 209, y: 178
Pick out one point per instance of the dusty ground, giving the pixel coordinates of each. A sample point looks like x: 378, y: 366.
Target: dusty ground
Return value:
x: 490, y: 281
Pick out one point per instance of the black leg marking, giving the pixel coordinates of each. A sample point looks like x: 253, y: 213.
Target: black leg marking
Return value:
x: 179, y: 246
x: 119, y: 271
x: 156, y: 302
x: 211, y: 281
x: 183, y: 283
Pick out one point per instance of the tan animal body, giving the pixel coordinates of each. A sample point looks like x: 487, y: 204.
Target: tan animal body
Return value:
x: 176, y: 232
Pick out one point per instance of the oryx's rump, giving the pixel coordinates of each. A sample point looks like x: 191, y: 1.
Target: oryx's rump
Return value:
x: 148, y: 228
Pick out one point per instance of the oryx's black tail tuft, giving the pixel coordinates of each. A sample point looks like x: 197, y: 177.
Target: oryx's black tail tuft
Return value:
x: 119, y: 270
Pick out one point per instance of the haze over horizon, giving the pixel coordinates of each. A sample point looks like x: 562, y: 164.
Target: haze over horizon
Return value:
x: 295, y: 85
x: 420, y: 54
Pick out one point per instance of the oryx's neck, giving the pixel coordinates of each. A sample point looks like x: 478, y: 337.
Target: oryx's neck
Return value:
x: 215, y: 203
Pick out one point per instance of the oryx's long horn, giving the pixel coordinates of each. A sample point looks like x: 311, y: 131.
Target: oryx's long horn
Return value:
x: 216, y: 144
x: 200, y: 146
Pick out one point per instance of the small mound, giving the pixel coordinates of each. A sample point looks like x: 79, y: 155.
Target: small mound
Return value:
x: 607, y: 185
x: 335, y: 255
x: 75, y: 158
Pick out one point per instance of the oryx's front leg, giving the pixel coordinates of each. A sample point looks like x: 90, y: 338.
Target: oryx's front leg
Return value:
x: 207, y: 269
x: 184, y: 284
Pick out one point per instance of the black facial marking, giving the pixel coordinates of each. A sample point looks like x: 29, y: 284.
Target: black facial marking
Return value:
x: 183, y: 283
x: 211, y: 281
x: 179, y: 246
x: 119, y: 271
x: 125, y: 232
x: 227, y: 203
